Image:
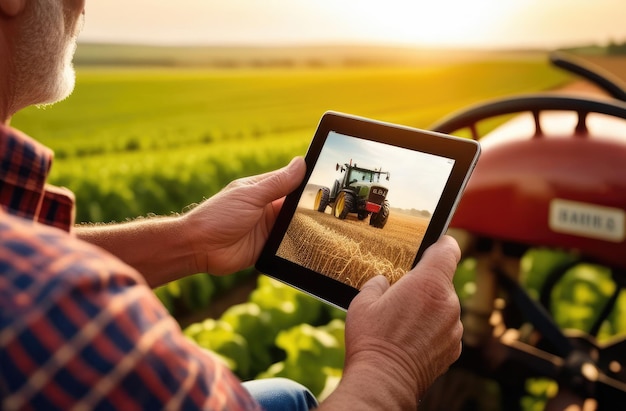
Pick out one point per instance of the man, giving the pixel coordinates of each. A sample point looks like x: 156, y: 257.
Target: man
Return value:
x: 80, y: 328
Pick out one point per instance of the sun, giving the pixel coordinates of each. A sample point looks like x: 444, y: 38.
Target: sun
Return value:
x: 436, y: 23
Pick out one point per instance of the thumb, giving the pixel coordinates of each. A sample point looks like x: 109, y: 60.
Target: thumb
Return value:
x: 371, y: 291
x: 276, y: 184
x: 292, y: 174
x: 441, y: 257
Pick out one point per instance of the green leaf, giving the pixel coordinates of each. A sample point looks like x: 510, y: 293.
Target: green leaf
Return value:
x: 219, y: 337
x: 251, y: 323
x: 196, y: 291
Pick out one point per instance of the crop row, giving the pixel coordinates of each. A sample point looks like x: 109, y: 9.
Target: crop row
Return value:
x: 121, y: 110
x: 118, y: 187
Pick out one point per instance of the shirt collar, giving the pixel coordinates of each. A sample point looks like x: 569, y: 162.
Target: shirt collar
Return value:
x: 24, y: 168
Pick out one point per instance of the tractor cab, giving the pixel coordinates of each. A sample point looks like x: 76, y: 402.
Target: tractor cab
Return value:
x: 359, y: 192
x: 551, y: 176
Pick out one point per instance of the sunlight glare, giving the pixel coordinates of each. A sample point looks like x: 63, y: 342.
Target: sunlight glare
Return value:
x: 444, y: 22
x: 433, y: 23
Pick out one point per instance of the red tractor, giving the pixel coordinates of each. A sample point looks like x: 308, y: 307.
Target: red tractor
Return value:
x: 552, y: 175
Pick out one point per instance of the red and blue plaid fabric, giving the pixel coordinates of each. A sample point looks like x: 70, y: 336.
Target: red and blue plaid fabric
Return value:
x: 78, y: 328
x: 24, y: 168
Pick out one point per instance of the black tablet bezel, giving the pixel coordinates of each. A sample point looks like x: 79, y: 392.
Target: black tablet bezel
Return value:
x: 464, y: 152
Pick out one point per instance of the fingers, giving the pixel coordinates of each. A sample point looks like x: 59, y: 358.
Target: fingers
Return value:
x: 430, y: 281
x: 372, y: 290
x: 434, y: 272
x: 275, y: 184
x: 441, y: 257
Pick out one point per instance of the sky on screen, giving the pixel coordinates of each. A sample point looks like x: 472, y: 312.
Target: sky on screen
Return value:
x: 416, y: 179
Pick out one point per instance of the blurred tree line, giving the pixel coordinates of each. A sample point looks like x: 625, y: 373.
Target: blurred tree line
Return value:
x: 615, y: 48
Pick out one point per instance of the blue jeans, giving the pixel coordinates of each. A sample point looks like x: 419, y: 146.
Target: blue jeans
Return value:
x: 281, y: 394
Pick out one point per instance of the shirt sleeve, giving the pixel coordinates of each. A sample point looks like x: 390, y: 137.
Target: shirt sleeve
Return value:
x: 81, y: 330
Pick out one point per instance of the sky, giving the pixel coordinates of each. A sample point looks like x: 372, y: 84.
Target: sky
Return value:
x: 434, y: 23
x: 416, y: 179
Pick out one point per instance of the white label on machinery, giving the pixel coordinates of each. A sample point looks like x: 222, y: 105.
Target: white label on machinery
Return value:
x: 588, y: 220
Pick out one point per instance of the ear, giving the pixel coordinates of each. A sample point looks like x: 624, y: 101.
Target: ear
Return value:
x: 12, y: 8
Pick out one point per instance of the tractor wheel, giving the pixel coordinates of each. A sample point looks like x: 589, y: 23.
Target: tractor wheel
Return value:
x: 379, y: 219
x: 362, y: 215
x: 321, y: 199
x: 343, y: 204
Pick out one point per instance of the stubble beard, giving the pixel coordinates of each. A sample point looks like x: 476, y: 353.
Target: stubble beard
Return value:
x: 44, y: 73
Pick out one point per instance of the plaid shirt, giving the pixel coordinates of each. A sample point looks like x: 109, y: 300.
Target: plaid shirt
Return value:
x: 78, y: 328
x: 24, y: 167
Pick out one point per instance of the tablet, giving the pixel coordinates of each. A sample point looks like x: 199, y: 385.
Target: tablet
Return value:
x: 374, y: 197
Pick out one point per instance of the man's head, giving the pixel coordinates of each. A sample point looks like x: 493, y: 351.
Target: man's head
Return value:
x: 37, y: 43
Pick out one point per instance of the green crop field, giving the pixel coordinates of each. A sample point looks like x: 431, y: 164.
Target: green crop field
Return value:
x: 132, y: 141
x: 135, y: 140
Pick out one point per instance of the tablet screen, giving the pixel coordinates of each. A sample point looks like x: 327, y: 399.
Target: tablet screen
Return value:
x: 367, y: 214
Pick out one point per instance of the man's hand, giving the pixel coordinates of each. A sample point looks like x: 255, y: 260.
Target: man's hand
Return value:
x: 400, y: 338
x: 228, y: 231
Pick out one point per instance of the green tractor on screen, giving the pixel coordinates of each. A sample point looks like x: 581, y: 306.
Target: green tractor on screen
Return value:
x: 359, y: 191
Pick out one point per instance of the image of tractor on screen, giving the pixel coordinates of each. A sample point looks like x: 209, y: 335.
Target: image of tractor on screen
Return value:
x: 358, y: 191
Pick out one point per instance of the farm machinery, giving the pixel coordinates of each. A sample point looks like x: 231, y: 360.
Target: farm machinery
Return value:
x: 552, y: 175
x: 358, y: 191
